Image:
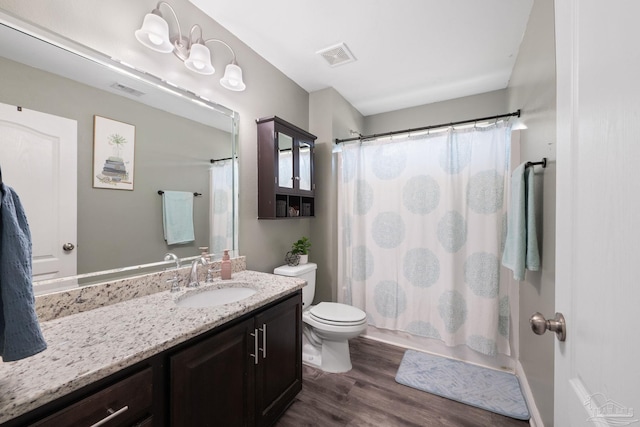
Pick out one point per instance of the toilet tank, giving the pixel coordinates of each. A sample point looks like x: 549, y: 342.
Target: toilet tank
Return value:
x: 306, y: 272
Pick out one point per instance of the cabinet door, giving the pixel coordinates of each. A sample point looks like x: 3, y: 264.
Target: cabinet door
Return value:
x: 285, y: 161
x: 212, y: 381
x: 294, y: 154
x: 304, y: 167
x: 279, y: 371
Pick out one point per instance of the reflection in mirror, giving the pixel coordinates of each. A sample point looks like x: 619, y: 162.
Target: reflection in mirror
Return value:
x: 304, y: 155
x: 285, y: 161
x: 182, y: 143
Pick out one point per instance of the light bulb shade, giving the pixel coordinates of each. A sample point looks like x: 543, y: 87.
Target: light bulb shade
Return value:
x: 154, y: 34
x: 199, y: 60
x: 232, y: 78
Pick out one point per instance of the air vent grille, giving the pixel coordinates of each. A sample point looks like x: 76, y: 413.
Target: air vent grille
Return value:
x: 127, y: 89
x: 337, y: 55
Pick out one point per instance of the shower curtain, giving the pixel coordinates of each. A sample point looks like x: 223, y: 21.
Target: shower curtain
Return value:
x: 422, y: 224
x: 221, y: 208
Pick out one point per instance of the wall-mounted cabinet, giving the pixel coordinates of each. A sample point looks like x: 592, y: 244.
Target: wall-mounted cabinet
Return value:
x: 286, y: 185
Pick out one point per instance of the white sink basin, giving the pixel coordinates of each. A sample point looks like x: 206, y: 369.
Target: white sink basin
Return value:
x: 214, y: 297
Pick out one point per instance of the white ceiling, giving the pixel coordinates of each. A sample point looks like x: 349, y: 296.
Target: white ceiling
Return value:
x: 409, y: 52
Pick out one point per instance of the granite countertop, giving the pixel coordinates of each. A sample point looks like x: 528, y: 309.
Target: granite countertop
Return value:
x: 88, y: 346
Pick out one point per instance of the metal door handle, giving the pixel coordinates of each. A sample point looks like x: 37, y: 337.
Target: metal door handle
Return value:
x: 540, y: 325
x: 264, y: 340
x: 255, y: 346
x: 68, y: 247
x: 112, y: 415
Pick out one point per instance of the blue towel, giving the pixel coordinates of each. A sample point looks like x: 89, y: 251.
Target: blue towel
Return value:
x: 521, y: 246
x: 177, y: 221
x: 20, y: 334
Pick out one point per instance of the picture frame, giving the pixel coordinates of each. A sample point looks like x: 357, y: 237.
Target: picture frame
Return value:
x: 113, y: 154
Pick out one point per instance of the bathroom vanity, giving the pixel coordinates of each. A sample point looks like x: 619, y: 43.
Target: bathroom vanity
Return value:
x: 147, y: 361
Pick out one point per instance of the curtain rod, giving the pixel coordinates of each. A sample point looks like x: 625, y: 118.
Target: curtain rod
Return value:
x: 396, y: 132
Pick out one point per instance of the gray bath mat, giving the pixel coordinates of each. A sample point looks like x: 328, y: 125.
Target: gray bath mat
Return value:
x: 484, y: 388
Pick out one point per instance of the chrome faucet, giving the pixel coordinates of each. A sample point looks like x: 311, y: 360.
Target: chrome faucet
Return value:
x: 193, y: 278
x: 175, y: 281
x: 169, y: 256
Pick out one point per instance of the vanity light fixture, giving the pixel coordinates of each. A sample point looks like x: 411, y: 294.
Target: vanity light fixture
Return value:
x: 191, y: 50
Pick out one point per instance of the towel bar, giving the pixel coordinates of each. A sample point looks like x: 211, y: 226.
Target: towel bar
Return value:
x: 195, y: 194
x: 543, y: 163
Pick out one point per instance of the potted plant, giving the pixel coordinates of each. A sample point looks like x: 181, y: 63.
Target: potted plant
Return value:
x: 301, y: 248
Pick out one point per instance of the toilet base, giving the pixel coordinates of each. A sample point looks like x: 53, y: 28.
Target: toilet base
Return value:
x: 331, y: 356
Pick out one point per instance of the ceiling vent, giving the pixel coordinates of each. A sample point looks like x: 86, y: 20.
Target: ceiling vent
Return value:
x: 338, y: 54
x: 127, y: 89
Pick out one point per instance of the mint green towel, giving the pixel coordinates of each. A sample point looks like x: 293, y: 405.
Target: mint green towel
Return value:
x: 177, y: 218
x: 521, y: 246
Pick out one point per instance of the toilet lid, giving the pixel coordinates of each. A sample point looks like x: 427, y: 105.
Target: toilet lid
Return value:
x: 332, y: 312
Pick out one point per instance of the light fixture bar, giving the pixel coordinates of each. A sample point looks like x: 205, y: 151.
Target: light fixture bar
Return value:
x: 191, y: 50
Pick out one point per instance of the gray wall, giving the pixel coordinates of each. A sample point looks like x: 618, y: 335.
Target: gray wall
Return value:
x: 533, y: 89
x: 108, y: 27
x: 117, y: 228
x: 330, y: 117
x: 469, y: 107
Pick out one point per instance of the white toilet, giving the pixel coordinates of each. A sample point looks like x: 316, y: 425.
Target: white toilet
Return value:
x: 328, y: 326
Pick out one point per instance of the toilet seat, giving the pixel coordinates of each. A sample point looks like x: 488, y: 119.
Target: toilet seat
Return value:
x: 331, y: 313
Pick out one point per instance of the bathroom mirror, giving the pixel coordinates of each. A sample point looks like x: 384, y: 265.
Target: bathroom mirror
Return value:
x: 285, y: 163
x: 182, y: 142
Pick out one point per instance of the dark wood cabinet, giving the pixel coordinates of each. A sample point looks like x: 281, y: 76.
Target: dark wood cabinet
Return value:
x: 125, y: 403
x: 286, y: 186
x: 210, y: 381
x: 279, y: 368
x: 245, y: 375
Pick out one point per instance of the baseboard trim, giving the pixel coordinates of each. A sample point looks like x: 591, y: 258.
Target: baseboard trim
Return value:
x: 536, y: 419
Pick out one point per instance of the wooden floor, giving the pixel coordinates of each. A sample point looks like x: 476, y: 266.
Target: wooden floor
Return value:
x: 368, y: 395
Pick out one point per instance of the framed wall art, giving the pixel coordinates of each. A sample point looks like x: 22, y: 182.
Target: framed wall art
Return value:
x: 113, y: 154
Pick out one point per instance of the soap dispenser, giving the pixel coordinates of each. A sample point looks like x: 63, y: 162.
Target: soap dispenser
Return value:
x: 225, y: 267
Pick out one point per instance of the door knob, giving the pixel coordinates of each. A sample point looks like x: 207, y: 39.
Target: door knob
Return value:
x: 68, y: 247
x: 539, y: 325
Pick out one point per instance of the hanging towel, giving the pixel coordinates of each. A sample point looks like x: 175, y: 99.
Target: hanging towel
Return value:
x: 521, y: 246
x: 20, y: 334
x: 177, y: 217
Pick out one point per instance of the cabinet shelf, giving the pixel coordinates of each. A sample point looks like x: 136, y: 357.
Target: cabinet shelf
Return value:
x: 286, y: 187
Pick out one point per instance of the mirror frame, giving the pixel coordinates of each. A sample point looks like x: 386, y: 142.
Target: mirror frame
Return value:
x: 85, y: 53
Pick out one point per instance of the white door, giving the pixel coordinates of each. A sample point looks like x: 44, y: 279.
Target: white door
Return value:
x: 597, y: 369
x: 38, y: 159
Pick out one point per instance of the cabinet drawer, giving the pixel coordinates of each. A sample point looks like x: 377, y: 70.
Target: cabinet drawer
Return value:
x: 125, y: 402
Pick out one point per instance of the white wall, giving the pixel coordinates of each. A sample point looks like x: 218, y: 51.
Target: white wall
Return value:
x: 533, y: 89
x: 108, y: 27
